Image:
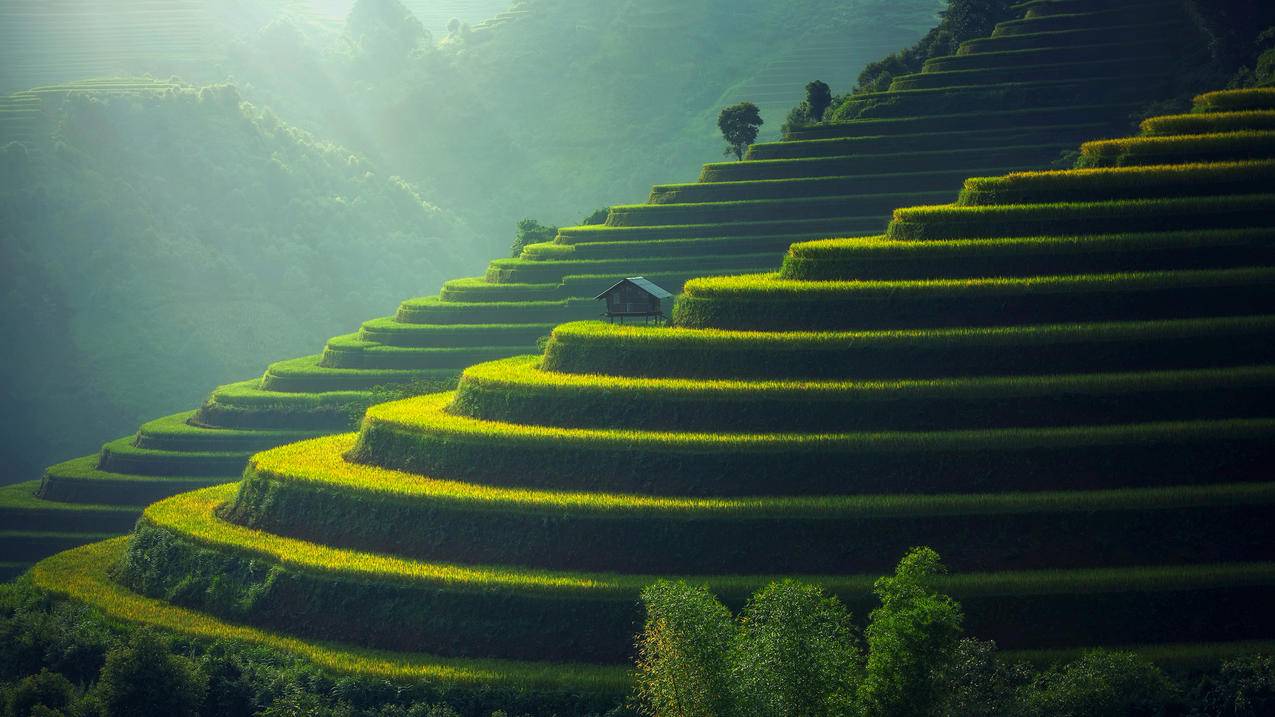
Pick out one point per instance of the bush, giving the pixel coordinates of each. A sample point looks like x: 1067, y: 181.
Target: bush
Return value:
x: 144, y: 678
x: 531, y: 231
x: 45, y: 693
x: 1244, y: 688
x: 1103, y: 684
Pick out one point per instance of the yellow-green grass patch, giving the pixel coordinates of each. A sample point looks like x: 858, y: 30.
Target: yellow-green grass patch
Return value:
x: 1212, y: 147
x: 1108, y: 183
x: 1212, y: 123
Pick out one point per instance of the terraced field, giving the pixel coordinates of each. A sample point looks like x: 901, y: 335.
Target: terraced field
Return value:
x: 1049, y: 380
x: 839, y: 179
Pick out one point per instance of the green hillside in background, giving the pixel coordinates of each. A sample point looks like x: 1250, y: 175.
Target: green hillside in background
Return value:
x: 155, y: 233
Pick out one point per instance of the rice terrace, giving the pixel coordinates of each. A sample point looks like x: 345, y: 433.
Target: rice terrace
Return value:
x: 946, y: 388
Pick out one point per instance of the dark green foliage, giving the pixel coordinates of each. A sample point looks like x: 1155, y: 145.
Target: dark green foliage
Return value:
x: 978, y: 682
x: 818, y: 98
x: 962, y: 20
x: 1244, y: 687
x: 1103, y: 684
x: 795, y: 653
x: 739, y: 125
x: 598, y: 216
x: 683, y: 651
x: 45, y: 693
x: 531, y: 231
x: 144, y: 678
x: 911, y: 638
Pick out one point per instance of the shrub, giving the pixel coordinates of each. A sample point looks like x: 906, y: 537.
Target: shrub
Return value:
x: 531, y: 231
x: 144, y: 678
x: 1102, y: 684
x: 1245, y: 687
x: 44, y: 693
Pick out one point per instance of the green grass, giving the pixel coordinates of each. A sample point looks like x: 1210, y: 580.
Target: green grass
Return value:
x: 1066, y: 69
x: 309, y: 491
x: 20, y: 509
x: 431, y: 310
x: 307, y: 374
x: 80, y: 481
x: 1103, y: 184
x: 1094, y: 217
x: 596, y: 233
x: 176, y: 433
x: 1046, y: 55
x: 430, y: 437
x: 350, y: 353
x: 890, y: 164
x: 601, y: 348
x: 479, y: 288
x: 505, y: 270
x: 82, y: 575
x: 1172, y: 27
x: 671, y: 248
x: 245, y: 405
x: 391, y: 332
x: 1097, y: 20
x: 1262, y: 98
x: 1214, y: 147
x: 925, y: 123
x: 29, y: 546
x: 517, y: 391
x: 122, y: 456
x: 938, y: 140
x: 508, y: 610
x: 878, y: 258
x: 753, y: 210
x: 767, y: 302
x: 1212, y: 123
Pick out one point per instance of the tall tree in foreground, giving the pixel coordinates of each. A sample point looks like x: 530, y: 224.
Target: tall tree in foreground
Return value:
x: 682, y: 652
x: 911, y: 638
x: 795, y: 653
x: 739, y: 125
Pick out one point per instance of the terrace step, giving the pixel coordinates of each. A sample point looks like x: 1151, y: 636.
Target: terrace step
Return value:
x: 1142, y: 32
x: 509, y: 272
x: 390, y: 332
x: 1221, y: 147
x: 878, y: 258
x: 1013, y: 120
x: 1113, y: 183
x: 82, y: 575
x: 826, y: 225
x: 122, y: 456
x: 81, y: 481
x: 518, y: 609
x: 1124, y: 15
x: 21, y: 510
x: 177, y: 433
x: 971, y: 160
x: 516, y: 391
x: 740, y: 531
x: 308, y: 375
x: 1049, y: 55
x: 349, y: 353
x: 767, y: 303
x: 25, y: 547
x: 755, y: 210
x: 636, y: 351
x: 1210, y: 123
x: 927, y: 141
x: 1060, y: 71
x: 672, y: 248
x: 431, y: 310
x: 245, y: 405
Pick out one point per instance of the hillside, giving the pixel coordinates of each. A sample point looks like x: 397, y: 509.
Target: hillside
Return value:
x: 833, y: 180
x: 158, y: 234
x: 1060, y: 381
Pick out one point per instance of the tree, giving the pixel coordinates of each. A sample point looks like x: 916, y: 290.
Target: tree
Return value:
x: 818, y: 98
x: 48, y: 690
x: 912, y: 638
x: 682, y: 652
x: 1244, y: 687
x: 531, y: 231
x: 795, y: 653
x: 739, y: 125
x: 1102, y: 683
x: 144, y: 678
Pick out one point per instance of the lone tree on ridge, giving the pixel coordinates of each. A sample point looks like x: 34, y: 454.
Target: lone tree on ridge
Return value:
x: 739, y: 124
x: 818, y: 99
